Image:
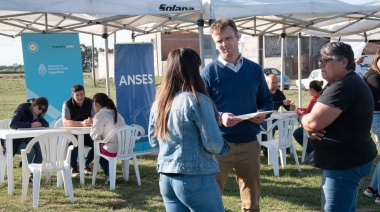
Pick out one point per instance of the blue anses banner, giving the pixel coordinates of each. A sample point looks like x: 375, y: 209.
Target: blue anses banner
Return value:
x: 135, y: 86
x: 52, y: 65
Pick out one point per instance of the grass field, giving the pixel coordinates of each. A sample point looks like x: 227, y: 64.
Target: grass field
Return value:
x: 292, y: 191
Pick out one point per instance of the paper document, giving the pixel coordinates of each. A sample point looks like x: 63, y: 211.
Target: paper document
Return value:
x: 252, y: 115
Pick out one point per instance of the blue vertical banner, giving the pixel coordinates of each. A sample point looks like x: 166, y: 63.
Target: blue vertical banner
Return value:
x: 135, y: 86
x: 52, y: 65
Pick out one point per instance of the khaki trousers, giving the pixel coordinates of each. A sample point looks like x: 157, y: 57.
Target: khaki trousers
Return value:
x: 245, y: 158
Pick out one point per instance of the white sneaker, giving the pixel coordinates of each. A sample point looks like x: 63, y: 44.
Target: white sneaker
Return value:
x: 369, y: 192
x: 377, y: 199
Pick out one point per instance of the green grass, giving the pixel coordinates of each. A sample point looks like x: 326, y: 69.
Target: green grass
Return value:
x: 292, y: 191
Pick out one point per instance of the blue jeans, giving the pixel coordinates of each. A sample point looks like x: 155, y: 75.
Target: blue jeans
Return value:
x: 190, y: 193
x: 104, y: 163
x: 90, y: 156
x: 376, y: 178
x: 298, y: 135
x: 34, y: 156
x: 376, y: 124
x: 340, y: 188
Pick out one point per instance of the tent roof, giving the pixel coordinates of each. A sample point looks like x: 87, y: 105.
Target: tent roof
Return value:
x: 273, y: 17
x: 325, y: 18
x: 97, y: 17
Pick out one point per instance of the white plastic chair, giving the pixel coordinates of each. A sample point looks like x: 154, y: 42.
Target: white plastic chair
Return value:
x: 59, y: 123
x: 280, y: 142
x: 4, y: 124
x: 52, y: 143
x: 126, y: 137
x: 305, y: 142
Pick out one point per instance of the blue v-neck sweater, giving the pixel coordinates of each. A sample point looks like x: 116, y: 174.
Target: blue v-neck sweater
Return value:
x: 239, y: 93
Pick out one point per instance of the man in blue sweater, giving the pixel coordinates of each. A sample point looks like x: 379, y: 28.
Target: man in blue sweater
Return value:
x: 237, y: 86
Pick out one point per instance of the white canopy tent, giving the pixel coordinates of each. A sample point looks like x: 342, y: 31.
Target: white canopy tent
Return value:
x: 255, y: 18
x: 101, y: 18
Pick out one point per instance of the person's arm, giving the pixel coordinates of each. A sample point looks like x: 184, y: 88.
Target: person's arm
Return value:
x: 205, y: 120
x: 318, y: 119
x: 67, y: 122
x: 153, y: 141
x: 373, y: 82
x: 43, y: 122
x: 312, y: 102
x: 97, y: 127
x: 18, y: 119
x: 278, y: 99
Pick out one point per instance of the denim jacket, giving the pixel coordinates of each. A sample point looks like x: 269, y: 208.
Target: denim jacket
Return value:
x: 194, y: 137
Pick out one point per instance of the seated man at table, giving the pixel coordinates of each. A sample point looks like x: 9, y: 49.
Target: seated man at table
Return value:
x: 78, y: 112
x: 279, y: 99
x: 29, y: 115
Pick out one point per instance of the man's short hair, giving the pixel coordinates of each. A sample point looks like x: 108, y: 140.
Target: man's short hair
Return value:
x: 220, y: 24
x: 77, y: 88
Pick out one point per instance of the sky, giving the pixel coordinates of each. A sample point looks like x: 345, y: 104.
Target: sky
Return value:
x: 11, y: 50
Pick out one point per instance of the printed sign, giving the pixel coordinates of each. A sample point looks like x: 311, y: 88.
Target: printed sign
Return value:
x: 52, y: 65
x: 135, y: 86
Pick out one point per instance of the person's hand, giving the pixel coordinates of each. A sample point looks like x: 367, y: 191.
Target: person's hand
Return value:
x: 230, y: 120
x: 300, y: 111
x: 287, y: 101
x: 317, y: 135
x: 257, y: 119
x: 87, y: 122
x: 36, y: 124
x: 292, y: 106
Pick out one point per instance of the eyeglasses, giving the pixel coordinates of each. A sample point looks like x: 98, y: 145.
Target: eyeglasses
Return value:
x: 40, y: 108
x: 323, y: 61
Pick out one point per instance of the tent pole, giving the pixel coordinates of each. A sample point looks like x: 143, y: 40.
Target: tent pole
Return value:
x: 157, y: 59
x: 213, y: 47
x: 105, y: 36
x: 283, y: 35
x: 200, y: 23
x: 299, y: 70
x: 311, y: 53
x: 263, y: 45
x: 260, y: 50
x: 93, y: 60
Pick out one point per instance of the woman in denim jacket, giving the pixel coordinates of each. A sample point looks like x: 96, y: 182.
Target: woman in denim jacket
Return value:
x: 184, y: 126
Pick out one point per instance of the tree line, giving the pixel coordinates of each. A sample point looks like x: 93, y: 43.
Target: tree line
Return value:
x: 85, y: 57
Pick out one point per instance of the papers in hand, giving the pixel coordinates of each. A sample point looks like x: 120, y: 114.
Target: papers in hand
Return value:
x: 252, y: 115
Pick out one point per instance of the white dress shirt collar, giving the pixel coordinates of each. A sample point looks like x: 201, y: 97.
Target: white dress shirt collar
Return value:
x: 231, y: 66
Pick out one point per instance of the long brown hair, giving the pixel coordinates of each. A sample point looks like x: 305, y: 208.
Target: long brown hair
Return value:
x: 374, y: 62
x: 182, y: 74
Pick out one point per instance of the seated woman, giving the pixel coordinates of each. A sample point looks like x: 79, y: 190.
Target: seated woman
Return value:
x: 105, y: 120
x: 315, y: 89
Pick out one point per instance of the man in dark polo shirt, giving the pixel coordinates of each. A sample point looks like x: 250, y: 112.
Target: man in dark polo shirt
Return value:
x: 78, y: 112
